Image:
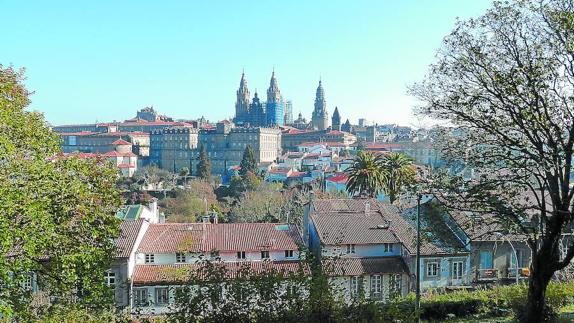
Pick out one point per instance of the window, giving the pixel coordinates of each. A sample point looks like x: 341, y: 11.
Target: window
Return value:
x: 140, y: 296
x: 110, y: 279
x: 396, y: 285
x: 149, y: 258
x: 432, y: 269
x: 388, y: 247
x: 457, y: 269
x: 162, y: 295
x: 265, y: 254
x: 485, y: 260
x: 354, y: 285
x: 288, y: 253
x: 350, y: 248
x: 27, y: 283
x: 180, y: 257
x: 376, y: 286
x: 241, y: 255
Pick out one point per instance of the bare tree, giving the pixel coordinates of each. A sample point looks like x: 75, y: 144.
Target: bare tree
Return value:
x: 506, y: 81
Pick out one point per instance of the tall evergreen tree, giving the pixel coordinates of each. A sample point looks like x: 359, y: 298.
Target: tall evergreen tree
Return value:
x: 204, y: 164
x: 248, y: 163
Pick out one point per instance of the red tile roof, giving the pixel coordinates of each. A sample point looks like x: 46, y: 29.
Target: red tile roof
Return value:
x: 336, y: 227
x: 280, y: 170
x: 297, y: 174
x: 339, y: 178
x: 121, y: 142
x: 114, y: 153
x: 180, y: 273
x: 206, y: 237
x: 129, y: 231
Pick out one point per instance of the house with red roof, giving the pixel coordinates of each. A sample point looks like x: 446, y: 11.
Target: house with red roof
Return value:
x: 121, y: 156
x: 170, y: 253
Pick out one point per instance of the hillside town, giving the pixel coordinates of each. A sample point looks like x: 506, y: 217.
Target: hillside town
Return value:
x: 326, y: 217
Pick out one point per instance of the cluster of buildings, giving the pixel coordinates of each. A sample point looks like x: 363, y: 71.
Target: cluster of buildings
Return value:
x: 268, y: 127
x: 364, y: 246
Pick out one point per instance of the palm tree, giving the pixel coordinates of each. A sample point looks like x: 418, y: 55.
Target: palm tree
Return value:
x: 366, y: 175
x: 399, y: 172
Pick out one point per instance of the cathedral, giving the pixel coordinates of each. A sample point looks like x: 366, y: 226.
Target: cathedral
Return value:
x: 256, y: 114
x: 320, y: 117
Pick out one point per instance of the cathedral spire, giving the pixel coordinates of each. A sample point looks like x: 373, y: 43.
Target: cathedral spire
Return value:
x: 320, y: 118
x: 243, y: 99
x: 273, y: 93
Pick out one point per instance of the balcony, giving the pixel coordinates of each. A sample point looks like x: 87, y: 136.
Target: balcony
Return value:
x: 500, y: 274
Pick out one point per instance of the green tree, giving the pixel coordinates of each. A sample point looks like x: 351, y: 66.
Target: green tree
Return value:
x: 505, y: 80
x: 204, y: 164
x: 57, y: 220
x: 152, y: 177
x: 366, y: 177
x: 248, y: 162
x: 191, y: 203
x: 399, y: 173
x: 184, y: 172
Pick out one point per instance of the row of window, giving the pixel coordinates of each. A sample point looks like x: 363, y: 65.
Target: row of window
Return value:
x: 182, y: 257
x: 433, y: 269
x: 375, y: 287
x: 351, y: 248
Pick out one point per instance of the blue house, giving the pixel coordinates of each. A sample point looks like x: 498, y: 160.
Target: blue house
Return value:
x: 378, y: 233
x: 357, y: 248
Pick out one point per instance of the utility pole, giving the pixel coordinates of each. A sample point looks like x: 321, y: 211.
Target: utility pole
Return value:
x: 418, y: 261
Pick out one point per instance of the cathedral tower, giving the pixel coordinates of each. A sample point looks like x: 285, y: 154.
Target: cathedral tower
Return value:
x: 320, y: 118
x: 242, y: 104
x: 336, y: 120
x: 274, y: 107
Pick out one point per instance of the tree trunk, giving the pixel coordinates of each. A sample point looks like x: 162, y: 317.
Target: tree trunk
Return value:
x: 539, y: 278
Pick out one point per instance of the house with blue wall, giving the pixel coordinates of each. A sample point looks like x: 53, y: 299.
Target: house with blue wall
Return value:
x: 369, y: 229
x: 357, y: 248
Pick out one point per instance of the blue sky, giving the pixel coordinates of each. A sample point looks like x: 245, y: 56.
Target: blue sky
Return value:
x: 103, y: 60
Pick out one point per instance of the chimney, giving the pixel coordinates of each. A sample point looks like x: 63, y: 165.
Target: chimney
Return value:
x: 367, y: 208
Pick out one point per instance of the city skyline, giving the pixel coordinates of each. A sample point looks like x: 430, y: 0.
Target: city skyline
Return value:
x: 186, y: 59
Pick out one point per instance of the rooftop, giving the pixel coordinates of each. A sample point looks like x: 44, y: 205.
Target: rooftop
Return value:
x: 206, y: 237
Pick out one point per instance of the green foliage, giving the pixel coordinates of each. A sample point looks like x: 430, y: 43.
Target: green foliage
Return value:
x: 150, y: 177
x: 246, y: 183
x: 366, y: 177
x: 398, y: 173
x: 73, y: 314
x: 204, y: 164
x: 248, y: 162
x: 190, y: 203
x: 58, y: 214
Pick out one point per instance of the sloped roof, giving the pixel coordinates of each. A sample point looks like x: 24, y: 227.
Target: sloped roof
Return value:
x: 339, y: 178
x: 357, y: 227
x: 166, y: 274
x: 129, y: 231
x: 205, y: 237
x: 121, y: 142
x: 114, y: 153
x: 338, y: 224
x: 362, y: 266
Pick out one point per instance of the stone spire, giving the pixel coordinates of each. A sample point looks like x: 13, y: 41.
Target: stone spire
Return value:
x: 242, y: 103
x: 320, y: 118
x: 273, y: 93
x: 336, y: 120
